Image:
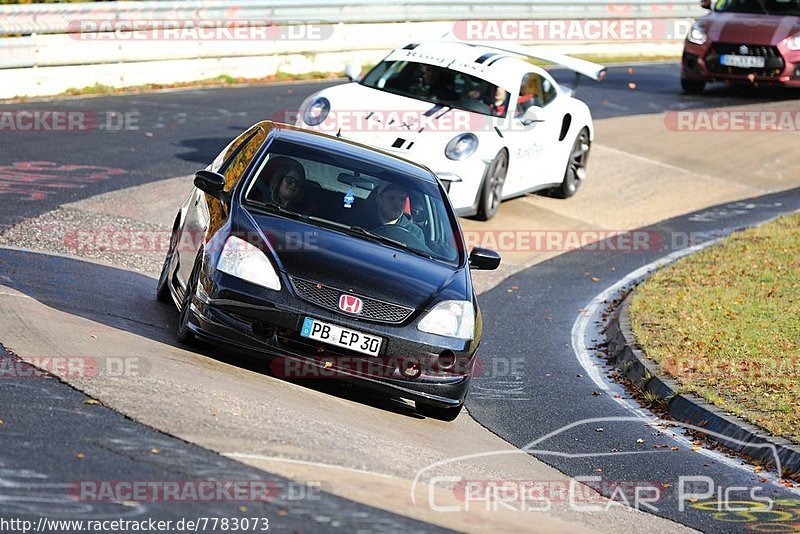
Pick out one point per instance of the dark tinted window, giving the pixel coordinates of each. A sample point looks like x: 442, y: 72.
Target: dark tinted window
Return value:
x: 348, y: 193
x: 771, y: 7
x: 438, y: 85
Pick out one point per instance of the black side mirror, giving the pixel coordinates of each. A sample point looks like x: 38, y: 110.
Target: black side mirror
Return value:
x: 705, y: 4
x: 212, y: 183
x: 484, y: 259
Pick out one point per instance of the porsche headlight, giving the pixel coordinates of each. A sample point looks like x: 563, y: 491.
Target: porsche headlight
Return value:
x: 793, y: 42
x: 697, y: 34
x: 317, y: 111
x: 242, y: 260
x: 461, y: 146
x: 451, y: 318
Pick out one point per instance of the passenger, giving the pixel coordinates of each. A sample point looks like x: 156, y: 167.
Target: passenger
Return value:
x: 286, y: 178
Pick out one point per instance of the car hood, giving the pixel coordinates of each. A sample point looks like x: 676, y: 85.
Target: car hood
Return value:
x: 742, y: 28
x: 370, y: 269
x: 392, y: 122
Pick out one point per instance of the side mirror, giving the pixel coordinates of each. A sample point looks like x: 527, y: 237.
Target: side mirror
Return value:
x: 212, y: 183
x: 483, y: 259
x: 352, y: 71
x: 705, y: 4
x: 532, y: 114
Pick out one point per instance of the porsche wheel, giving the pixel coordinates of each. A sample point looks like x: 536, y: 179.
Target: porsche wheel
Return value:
x: 492, y: 189
x: 576, y: 166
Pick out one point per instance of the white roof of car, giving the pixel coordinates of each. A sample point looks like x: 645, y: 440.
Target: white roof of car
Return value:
x: 495, y: 66
x: 500, y: 65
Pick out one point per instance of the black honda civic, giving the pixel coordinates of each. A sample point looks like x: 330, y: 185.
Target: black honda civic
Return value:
x: 334, y: 260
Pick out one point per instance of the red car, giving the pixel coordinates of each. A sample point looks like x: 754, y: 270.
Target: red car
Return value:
x: 752, y: 41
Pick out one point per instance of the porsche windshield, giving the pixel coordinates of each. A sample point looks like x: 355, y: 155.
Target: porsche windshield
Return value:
x: 357, y: 197
x: 768, y: 7
x: 438, y: 85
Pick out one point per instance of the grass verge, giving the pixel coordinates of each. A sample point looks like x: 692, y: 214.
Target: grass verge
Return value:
x: 725, y: 323
x: 222, y: 80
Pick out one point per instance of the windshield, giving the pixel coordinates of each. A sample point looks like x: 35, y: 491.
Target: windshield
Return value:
x: 438, y: 85
x: 357, y: 197
x: 769, y: 7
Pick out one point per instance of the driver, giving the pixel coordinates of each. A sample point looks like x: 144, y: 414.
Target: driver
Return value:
x: 390, y: 205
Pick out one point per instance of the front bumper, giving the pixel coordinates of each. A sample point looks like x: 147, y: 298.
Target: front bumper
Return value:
x: 256, y: 320
x: 702, y: 63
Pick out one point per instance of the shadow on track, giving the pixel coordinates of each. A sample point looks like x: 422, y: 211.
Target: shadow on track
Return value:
x: 125, y: 300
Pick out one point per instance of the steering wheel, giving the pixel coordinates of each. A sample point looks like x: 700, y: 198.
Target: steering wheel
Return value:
x: 393, y: 231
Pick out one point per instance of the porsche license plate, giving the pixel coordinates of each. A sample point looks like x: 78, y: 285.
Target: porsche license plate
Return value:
x: 743, y: 62
x: 341, y: 337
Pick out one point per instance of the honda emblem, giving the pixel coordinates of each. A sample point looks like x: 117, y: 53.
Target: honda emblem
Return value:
x: 350, y: 304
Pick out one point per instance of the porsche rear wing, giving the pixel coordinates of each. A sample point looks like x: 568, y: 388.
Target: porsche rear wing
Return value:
x: 591, y: 70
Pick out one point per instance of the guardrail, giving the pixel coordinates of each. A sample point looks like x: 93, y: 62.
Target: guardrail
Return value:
x: 59, y: 46
x: 56, y: 18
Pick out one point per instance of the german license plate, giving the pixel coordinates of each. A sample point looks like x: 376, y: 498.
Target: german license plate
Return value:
x: 743, y: 62
x: 341, y: 337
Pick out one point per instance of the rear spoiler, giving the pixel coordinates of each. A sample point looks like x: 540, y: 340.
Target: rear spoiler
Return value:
x: 591, y: 70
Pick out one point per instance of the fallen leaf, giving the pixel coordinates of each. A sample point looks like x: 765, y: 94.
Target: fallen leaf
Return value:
x: 640, y: 440
x: 80, y: 456
x: 595, y: 279
x: 155, y: 450
x: 283, y: 512
x: 673, y: 448
x: 632, y: 85
x: 243, y: 508
x: 630, y: 70
x: 695, y: 448
x: 91, y: 401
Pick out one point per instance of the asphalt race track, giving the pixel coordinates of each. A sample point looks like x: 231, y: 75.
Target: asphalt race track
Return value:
x: 550, y: 405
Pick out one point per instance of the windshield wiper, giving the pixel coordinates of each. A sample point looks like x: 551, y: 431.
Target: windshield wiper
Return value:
x: 352, y: 230
x: 277, y: 207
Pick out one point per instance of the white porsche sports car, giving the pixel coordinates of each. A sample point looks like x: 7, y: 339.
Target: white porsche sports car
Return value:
x: 491, y: 125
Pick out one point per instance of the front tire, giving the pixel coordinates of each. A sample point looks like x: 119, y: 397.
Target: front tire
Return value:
x: 492, y: 189
x: 184, y: 333
x: 692, y: 87
x: 437, y: 412
x: 576, y: 166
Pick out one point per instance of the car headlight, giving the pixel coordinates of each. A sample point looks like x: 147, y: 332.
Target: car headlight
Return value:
x: 697, y: 34
x: 242, y: 260
x: 317, y: 111
x: 451, y: 318
x: 793, y: 42
x: 461, y: 146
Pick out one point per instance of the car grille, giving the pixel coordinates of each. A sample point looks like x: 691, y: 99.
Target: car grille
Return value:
x: 773, y: 67
x: 328, y: 297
